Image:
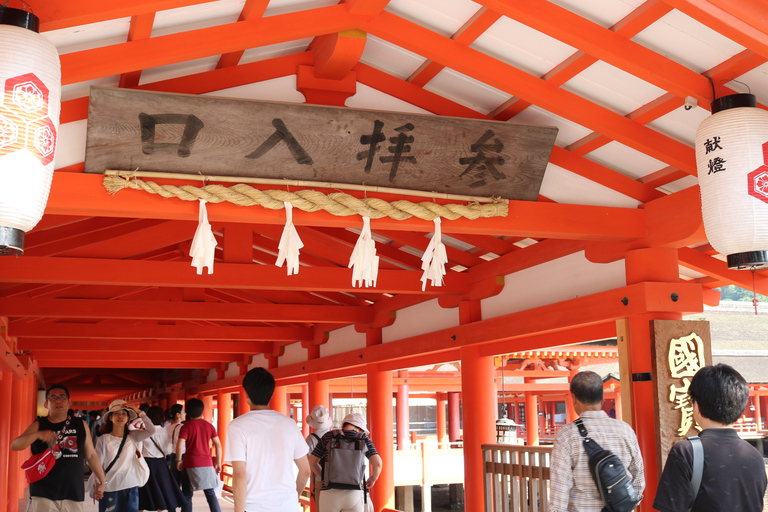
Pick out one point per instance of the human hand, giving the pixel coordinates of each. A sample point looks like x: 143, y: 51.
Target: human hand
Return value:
x: 98, y: 491
x: 370, y: 481
x: 46, y: 436
x: 217, y: 468
x: 180, y: 465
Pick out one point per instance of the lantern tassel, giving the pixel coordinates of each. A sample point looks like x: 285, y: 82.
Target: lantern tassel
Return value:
x: 434, y: 259
x: 204, y: 243
x: 290, y: 243
x: 364, y: 262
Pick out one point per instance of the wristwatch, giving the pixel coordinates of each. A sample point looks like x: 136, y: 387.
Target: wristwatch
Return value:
x: 101, y: 483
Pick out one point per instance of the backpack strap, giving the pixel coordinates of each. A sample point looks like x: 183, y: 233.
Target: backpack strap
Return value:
x: 698, y: 465
x: 315, y: 436
x: 582, y: 429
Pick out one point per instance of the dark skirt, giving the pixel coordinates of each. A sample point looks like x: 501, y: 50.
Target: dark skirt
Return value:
x: 161, y: 492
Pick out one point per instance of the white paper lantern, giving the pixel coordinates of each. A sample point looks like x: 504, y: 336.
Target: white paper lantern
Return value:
x: 732, y: 164
x: 30, y: 78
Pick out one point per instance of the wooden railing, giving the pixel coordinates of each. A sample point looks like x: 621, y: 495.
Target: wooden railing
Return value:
x: 516, y: 478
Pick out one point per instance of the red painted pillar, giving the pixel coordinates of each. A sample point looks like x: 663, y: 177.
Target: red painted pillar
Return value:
x: 319, y: 393
x: 403, y: 414
x: 207, y: 408
x: 531, y: 419
x: 380, y: 424
x: 617, y: 403
x: 305, y: 410
x: 441, y: 433
x: 379, y: 397
x: 479, y: 420
x: 6, y: 435
x: 279, y: 400
x: 454, y: 418
x: 224, y: 407
x: 644, y: 265
x: 18, y: 424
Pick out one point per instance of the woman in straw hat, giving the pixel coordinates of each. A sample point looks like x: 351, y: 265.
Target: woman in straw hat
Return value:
x: 320, y: 421
x: 120, y: 450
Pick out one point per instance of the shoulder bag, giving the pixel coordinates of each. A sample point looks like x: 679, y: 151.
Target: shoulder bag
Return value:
x: 38, y: 466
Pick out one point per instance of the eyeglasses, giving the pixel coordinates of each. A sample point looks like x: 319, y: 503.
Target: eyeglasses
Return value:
x: 57, y: 398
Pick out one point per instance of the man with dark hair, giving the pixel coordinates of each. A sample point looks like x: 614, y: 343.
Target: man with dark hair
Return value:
x: 263, y: 446
x: 63, y: 488
x: 734, y: 472
x: 572, y: 486
x: 200, y: 470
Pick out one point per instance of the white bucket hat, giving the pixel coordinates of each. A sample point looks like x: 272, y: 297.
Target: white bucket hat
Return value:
x: 118, y: 405
x: 319, y: 418
x: 357, y: 420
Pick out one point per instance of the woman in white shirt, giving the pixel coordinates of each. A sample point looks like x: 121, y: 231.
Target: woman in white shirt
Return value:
x: 127, y: 469
x: 161, y: 492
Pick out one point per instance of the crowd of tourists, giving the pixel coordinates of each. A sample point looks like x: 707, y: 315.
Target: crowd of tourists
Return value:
x: 145, y: 458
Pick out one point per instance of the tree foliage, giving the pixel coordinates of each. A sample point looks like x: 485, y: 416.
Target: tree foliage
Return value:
x: 736, y: 293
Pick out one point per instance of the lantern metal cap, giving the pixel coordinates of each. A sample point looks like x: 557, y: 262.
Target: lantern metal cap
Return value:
x: 733, y: 101
x: 751, y: 260
x: 11, y: 241
x: 19, y: 18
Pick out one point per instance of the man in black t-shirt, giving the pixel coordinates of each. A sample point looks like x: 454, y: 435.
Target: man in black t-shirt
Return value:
x: 62, y: 488
x: 734, y: 477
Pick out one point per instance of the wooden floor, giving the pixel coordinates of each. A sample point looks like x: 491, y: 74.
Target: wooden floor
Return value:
x: 199, y: 504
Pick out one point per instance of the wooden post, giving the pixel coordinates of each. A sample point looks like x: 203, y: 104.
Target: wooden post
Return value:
x: 6, y: 434
x: 454, y: 418
x: 305, y: 410
x: 224, y: 406
x: 426, y: 485
x: 403, y: 416
x: 14, y: 476
x: 440, y: 409
x: 531, y: 419
x: 207, y: 408
x: 635, y: 358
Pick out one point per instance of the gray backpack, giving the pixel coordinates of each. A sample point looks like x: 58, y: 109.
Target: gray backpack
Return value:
x: 345, y: 464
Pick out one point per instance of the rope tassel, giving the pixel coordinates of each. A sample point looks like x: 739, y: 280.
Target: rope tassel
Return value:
x: 434, y: 259
x: 290, y: 243
x: 364, y: 262
x: 204, y: 243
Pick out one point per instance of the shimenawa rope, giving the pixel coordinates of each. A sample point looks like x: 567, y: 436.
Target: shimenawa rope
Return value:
x: 337, y: 203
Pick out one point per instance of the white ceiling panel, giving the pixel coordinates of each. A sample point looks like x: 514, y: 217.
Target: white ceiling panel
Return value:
x: 467, y: 91
x: 569, y: 188
x: 393, y: 59
x: 757, y: 82
x: 276, y: 7
x: 279, y: 89
x: 369, y: 98
x: 81, y: 89
x: 86, y: 37
x: 70, y: 146
x: 681, y: 124
x: 275, y: 50
x: 603, y: 12
x: 685, y: 40
x: 625, y: 160
x: 568, y: 131
x: 522, y: 47
x: 445, y: 17
x: 613, y: 88
x: 681, y: 184
x: 179, y: 69
x: 208, y: 14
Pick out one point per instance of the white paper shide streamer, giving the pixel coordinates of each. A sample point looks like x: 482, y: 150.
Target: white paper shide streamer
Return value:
x: 290, y: 243
x: 434, y: 260
x: 364, y: 262
x: 204, y: 243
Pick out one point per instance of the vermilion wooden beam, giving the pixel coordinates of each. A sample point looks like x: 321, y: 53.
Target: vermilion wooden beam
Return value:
x: 228, y: 275
x: 205, y: 42
x: 141, y: 28
x: 160, y: 332
x: 713, y: 267
x: 83, y: 194
x: 535, y: 90
x: 251, y: 10
x: 334, y: 55
x: 606, y: 45
x: 56, y: 15
x: 742, y: 22
x: 193, y: 311
x: 110, y: 362
x: 582, y: 311
x: 223, y: 350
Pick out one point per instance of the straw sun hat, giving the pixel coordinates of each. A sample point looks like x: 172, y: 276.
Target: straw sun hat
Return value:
x: 118, y: 405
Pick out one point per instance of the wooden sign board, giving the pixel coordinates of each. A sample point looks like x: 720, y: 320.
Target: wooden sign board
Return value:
x: 179, y: 133
x: 680, y: 348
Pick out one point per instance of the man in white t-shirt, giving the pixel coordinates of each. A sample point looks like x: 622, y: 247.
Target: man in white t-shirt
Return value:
x: 263, y: 446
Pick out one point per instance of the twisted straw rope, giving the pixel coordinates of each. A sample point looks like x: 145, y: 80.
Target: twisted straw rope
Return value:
x: 337, y: 203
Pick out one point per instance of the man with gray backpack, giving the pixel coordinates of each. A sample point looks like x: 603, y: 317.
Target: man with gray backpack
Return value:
x: 339, y: 458
x: 596, y: 463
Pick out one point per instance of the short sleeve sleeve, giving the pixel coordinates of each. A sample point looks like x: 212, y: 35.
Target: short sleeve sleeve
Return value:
x: 674, y: 491
x: 234, y: 450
